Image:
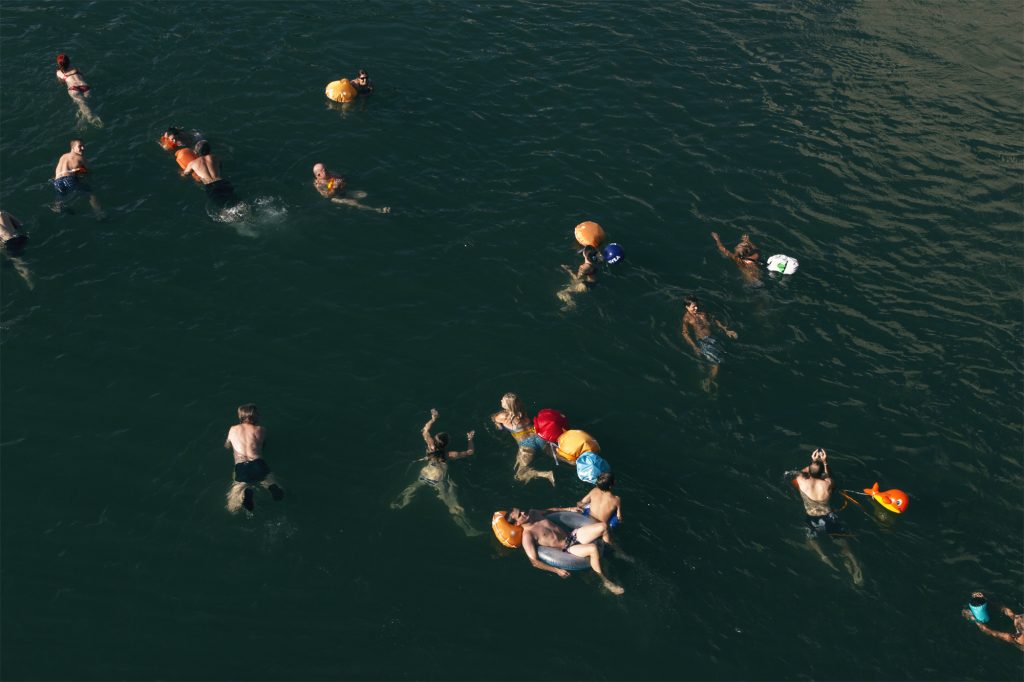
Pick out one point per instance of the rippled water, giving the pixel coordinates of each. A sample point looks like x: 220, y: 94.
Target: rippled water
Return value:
x: 880, y: 143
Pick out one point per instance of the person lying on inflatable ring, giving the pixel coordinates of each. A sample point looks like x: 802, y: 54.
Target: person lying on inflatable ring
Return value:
x: 538, y: 531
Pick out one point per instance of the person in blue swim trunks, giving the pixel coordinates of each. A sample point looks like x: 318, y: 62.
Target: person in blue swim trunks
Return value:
x: 68, y: 180
x: 705, y: 345
x: 601, y: 504
x: 513, y: 418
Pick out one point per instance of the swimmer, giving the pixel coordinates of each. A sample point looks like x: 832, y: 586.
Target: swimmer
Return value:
x: 512, y: 418
x: 746, y: 256
x: 1017, y: 638
x: 246, y: 441
x: 706, y: 345
x: 12, y: 242
x: 435, y: 474
x: 68, y: 180
x: 331, y: 184
x: 78, y: 89
x: 538, y: 531
x: 604, y: 504
x: 181, y: 138
x: 206, y: 167
x: 362, y: 83
x: 815, y: 485
x: 584, y: 279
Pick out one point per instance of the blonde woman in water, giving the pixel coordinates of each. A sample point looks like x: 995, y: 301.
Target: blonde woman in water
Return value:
x: 435, y: 474
x: 513, y: 418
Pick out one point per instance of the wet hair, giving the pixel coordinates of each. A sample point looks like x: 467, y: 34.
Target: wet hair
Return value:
x: 362, y: 73
x: 173, y: 132
x: 441, y: 441
x: 691, y: 299
x: 605, y: 481
x: 511, y: 403
x: 747, y: 250
x: 508, y: 515
x: 202, y: 148
x: 63, y: 62
x: 75, y: 141
x: 815, y: 470
x: 248, y: 414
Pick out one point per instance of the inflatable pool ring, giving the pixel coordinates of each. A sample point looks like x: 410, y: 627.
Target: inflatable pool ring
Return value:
x: 565, y: 560
x: 589, y: 233
x: 613, y: 522
x: 613, y: 253
x: 341, y: 91
x: 550, y: 424
x: 894, y: 500
x: 589, y: 466
x: 508, y: 534
x: 574, y: 443
x: 783, y: 265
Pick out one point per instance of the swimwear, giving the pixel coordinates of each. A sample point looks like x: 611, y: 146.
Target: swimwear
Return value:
x: 709, y: 348
x: 220, y: 191
x: 570, y: 541
x: 67, y: 185
x: 527, y: 437
x: 253, y: 471
x: 79, y: 88
x: 16, y: 243
x: 829, y: 523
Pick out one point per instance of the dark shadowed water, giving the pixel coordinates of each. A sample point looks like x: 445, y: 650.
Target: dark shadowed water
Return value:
x: 878, y: 142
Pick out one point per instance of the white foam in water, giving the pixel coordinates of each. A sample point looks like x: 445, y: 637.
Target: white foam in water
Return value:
x: 253, y: 218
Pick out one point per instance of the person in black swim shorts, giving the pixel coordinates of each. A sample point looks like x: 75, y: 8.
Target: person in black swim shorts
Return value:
x: 246, y: 441
x: 815, y: 486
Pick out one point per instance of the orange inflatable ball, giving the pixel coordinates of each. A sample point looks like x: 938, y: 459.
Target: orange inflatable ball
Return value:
x: 341, y: 91
x: 509, y: 535
x: 589, y: 233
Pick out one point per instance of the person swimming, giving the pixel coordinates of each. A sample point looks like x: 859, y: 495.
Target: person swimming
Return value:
x: 434, y: 474
x: 746, y: 255
x: 68, y: 180
x: 12, y: 243
x: 206, y: 167
x: 333, y: 186
x: 583, y: 279
x: 78, y: 89
x: 362, y: 83
x: 513, y: 418
x: 706, y: 345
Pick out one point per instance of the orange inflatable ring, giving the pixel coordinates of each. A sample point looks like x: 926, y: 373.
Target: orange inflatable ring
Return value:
x: 589, y: 233
x: 507, y: 534
x: 574, y: 443
x: 341, y: 91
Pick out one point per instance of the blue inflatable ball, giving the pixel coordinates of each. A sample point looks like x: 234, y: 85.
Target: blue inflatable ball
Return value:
x: 613, y: 253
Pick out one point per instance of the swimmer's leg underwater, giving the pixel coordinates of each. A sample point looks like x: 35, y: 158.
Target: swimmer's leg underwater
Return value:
x: 446, y: 493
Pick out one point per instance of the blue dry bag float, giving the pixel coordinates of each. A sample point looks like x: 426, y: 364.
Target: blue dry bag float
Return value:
x: 589, y: 466
x: 613, y: 253
x: 979, y: 607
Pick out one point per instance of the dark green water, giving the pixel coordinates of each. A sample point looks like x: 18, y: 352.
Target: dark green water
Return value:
x: 880, y: 143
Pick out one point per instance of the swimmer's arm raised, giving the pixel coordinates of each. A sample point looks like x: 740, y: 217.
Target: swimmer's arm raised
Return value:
x: 721, y: 247
x: 465, y: 453
x: 427, y: 438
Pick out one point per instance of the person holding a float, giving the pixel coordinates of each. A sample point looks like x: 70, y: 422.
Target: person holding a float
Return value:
x: 815, y: 485
x: 591, y: 237
x: 334, y: 186
x: 513, y: 418
x: 555, y: 540
x: 746, y: 255
x: 345, y: 90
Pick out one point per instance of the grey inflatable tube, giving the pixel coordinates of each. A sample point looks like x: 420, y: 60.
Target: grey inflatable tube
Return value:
x: 565, y: 560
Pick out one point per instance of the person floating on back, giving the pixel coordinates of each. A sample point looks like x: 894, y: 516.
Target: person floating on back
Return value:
x: 78, y: 89
x: 246, y: 442
x: 69, y: 180
x: 706, y: 345
x: 206, y: 167
x: 434, y: 474
x: 746, y: 256
x: 333, y: 186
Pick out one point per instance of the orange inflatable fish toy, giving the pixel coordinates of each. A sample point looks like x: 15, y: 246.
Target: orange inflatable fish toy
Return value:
x: 894, y: 500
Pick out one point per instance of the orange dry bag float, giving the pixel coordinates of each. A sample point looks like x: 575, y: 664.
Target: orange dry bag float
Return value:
x: 341, y: 91
x: 589, y: 233
x: 183, y: 155
x: 574, y: 443
x: 507, y: 534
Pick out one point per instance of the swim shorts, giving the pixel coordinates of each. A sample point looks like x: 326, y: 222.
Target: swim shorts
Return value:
x: 79, y: 88
x: 570, y: 541
x: 220, y: 191
x: 66, y: 185
x: 829, y: 523
x: 709, y: 348
x: 16, y: 243
x: 253, y: 471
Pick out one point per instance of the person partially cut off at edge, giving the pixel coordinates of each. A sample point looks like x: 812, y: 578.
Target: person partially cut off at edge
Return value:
x: 746, y: 256
x: 333, y: 186
x: 12, y: 243
x: 206, y: 167
x: 246, y: 441
x: 78, y: 89
x: 513, y: 418
x: 815, y: 486
x: 706, y: 345
x: 434, y: 474
x: 1017, y: 638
